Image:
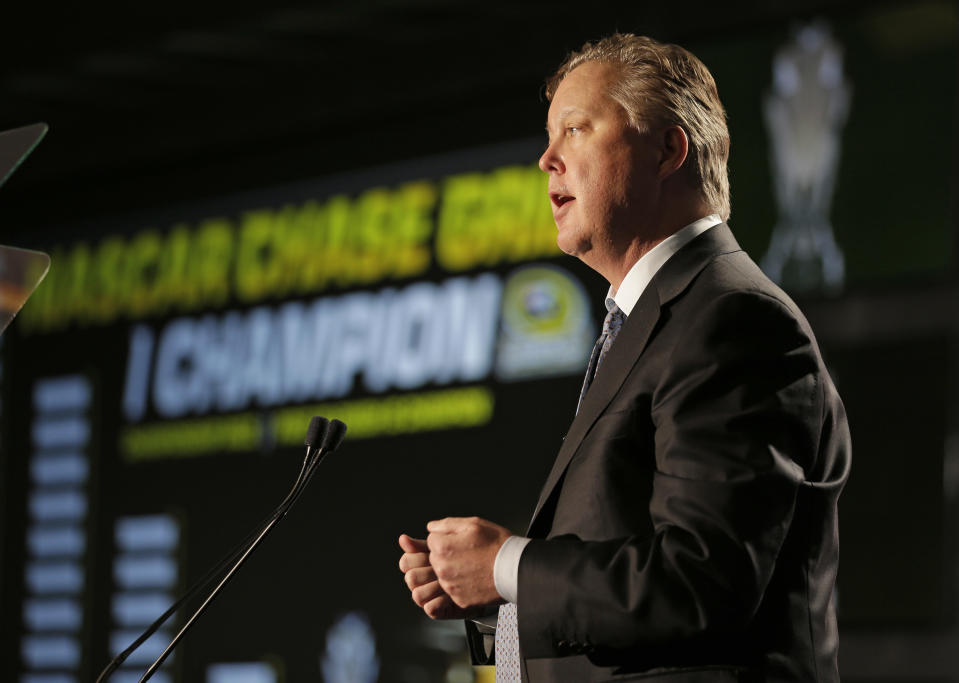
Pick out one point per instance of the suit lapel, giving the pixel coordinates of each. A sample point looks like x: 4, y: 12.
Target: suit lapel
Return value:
x: 671, y: 281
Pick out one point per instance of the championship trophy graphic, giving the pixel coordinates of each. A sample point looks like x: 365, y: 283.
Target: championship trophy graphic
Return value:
x: 805, y: 112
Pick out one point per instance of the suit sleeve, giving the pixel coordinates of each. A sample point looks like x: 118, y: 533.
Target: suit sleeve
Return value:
x: 736, y: 414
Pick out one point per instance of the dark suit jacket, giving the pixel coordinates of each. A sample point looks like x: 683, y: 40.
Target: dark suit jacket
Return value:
x: 688, y: 529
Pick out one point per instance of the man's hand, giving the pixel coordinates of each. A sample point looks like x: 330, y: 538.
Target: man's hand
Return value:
x: 462, y: 551
x: 421, y: 580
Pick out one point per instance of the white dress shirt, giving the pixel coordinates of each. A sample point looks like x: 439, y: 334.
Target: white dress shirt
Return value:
x: 506, y: 565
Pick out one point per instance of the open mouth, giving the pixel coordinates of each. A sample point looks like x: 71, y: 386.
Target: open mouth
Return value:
x: 559, y: 199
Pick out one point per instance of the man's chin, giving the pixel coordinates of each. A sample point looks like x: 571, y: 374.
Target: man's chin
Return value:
x: 572, y: 244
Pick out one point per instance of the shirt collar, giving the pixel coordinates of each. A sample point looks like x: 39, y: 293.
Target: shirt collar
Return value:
x: 639, y: 276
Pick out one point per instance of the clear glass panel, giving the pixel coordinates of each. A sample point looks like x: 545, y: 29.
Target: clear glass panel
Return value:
x: 21, y: 270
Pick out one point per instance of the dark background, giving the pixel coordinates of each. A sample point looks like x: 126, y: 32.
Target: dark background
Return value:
x: 154, y: 107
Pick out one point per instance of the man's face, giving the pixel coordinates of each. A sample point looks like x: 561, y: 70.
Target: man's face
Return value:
x: 602, y: 171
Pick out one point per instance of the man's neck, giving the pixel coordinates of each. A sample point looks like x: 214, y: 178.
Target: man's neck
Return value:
x: 643, y: 271
x: 643, y: 241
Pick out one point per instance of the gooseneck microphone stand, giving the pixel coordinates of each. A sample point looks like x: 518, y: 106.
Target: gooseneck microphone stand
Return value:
x: 322, y: 438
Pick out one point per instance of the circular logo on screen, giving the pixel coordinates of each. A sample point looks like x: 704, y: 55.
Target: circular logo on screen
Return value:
x: 545, y: 324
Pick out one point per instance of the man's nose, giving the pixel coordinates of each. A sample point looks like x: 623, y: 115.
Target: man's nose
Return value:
x: 551, y: 161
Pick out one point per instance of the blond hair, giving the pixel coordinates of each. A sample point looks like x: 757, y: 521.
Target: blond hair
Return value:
x: 661, y: 84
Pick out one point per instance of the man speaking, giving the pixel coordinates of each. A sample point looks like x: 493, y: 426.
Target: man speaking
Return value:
x: 688, y: 529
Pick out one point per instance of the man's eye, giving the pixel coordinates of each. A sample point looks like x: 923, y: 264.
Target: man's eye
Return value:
x: 572, y: 130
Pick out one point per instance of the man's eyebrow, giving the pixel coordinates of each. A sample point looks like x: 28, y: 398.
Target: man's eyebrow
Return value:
x: 572, y: 109
x: 563, y: 114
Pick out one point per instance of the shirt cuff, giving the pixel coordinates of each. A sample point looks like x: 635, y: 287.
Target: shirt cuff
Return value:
x: 506, y: 567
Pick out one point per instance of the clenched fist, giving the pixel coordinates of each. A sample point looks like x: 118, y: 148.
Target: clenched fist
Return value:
x: 450, y: 573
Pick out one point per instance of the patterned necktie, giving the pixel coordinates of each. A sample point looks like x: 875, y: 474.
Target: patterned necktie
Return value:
x: 611, y: 326
x: 507, y: 645
x: 507, y: 629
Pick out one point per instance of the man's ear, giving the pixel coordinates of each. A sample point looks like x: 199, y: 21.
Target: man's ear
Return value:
x: 674, y: 146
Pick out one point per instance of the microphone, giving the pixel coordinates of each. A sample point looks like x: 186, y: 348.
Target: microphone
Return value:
x: 330, y: 439
x: 316, y: 432
x: 334, y: 436
x: 322, y: 437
